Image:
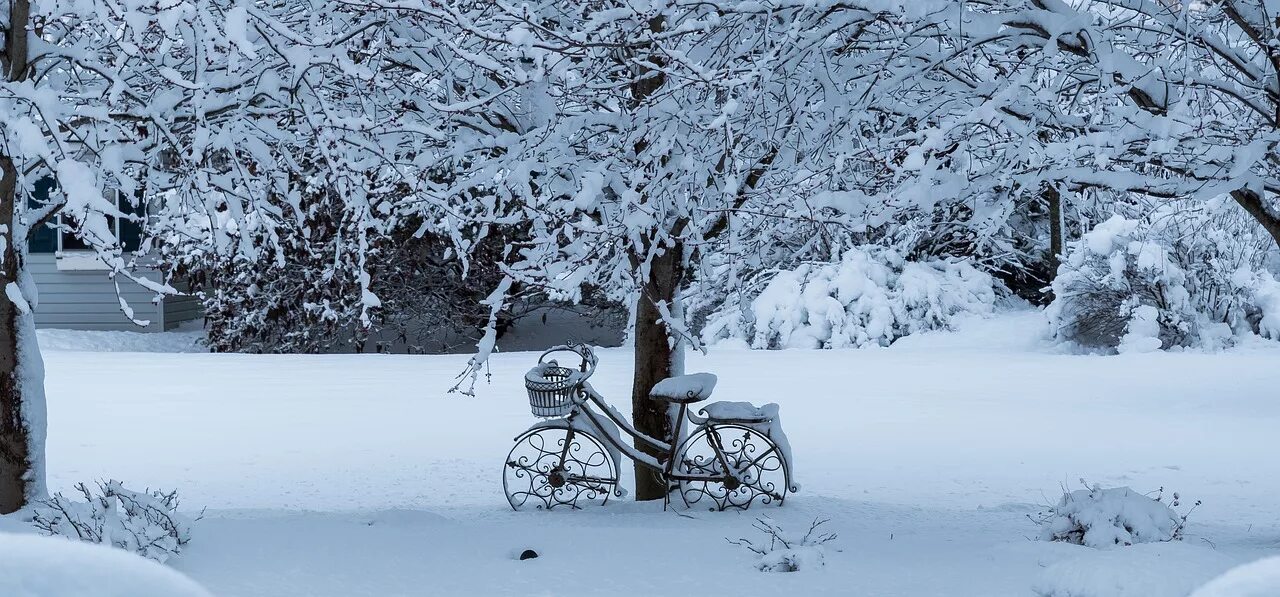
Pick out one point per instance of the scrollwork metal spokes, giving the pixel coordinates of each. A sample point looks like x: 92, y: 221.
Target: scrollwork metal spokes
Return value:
x: 550, y: 467
x: 742, y: 466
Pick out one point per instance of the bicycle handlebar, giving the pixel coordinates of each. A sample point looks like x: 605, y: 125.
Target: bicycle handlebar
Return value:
x: 584, y: 352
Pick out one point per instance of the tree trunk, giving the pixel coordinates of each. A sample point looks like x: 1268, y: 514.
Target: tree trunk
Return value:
x: 1054, y: 198
x: 657, y: 358
x: 656, y: 355
x: 21, y: 370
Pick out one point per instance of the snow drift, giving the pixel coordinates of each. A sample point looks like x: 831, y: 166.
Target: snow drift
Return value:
x: 1255, y: 579
x: 32, y: 566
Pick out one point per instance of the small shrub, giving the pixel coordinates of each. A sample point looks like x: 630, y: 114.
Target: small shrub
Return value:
x: 1102, y: 518
x: 147, y: 524
x: 787, y: 553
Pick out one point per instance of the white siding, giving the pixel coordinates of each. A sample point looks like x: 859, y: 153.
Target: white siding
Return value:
x: 87, y: 300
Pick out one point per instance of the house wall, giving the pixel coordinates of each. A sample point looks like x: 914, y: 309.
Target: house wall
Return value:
x: 178, y: 309
x: 87, y: 300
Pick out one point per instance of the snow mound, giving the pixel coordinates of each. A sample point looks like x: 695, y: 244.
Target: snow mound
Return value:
x: 1255, y: 579
x: 1151, y: 570
x: 871, y: 297
x: 186, y: 340
x: 32, y: 566
x: 1103, y: 518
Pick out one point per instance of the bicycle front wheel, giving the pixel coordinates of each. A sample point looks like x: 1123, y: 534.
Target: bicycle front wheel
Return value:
x: 554, y: 466
x: 735, y: 465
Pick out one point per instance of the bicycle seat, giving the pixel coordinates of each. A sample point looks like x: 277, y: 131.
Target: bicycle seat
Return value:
x: 684, y: 389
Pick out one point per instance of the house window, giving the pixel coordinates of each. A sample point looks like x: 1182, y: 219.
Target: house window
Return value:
x: 44, y: 239
x: 71, y: 250
x: 128, y: 232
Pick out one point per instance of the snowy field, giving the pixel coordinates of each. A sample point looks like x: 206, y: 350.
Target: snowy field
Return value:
x: 351, y: 475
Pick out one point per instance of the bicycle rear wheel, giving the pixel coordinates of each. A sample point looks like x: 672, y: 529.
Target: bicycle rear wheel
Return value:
x: 554, y: 466
x: 744, y: 467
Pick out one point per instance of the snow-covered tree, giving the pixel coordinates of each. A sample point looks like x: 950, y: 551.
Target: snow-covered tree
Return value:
x: 648, y: 145
x: 652, y: 145
x: 1180, y: 97
x: 214, y: 114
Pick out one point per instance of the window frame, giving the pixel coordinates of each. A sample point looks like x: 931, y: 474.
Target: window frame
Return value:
x: 86, y: 258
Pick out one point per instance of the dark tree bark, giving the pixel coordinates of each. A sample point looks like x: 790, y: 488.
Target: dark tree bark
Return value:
x: 15, y: 457
x: 17, y: 474
x: 1255, y: 204
x: 655, y: 361
x: 1054, y: 199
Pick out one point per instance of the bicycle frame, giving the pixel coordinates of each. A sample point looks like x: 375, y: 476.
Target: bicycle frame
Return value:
x: 588, y: 396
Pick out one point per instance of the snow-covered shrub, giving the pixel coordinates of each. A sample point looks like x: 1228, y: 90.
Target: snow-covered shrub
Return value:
x: 1117, y: 290
x: 1255, y: 579
x: 1264, y: 290
x: 871, y: 296
x: 147, y: 524
x: 34, y: 566
x: 1177, y: 274
x: 784, y: 552
x: 1098, y: 517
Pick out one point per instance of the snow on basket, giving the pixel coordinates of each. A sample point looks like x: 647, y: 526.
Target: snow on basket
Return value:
x: 1098, y: 517
x: 551, y: 389
x: 1255, y: 579
x: 34, y: 566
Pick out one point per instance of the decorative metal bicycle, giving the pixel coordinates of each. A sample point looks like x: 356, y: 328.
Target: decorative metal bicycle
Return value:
x: 735, y: 456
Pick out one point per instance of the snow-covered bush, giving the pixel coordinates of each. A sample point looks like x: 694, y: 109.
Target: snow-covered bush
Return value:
x: 1255, y: 579
x: 871, y: 296
x: 1098, y: 517
x: 34, y: 566
x: 1119, y: 291
x: 1264, y: 290
x: 784, y: 552
x: 147, y: 524
x: 1179, y: 274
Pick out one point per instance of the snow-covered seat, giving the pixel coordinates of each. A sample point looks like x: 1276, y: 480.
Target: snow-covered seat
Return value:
x: 684, y: 389
x: 744, y: 413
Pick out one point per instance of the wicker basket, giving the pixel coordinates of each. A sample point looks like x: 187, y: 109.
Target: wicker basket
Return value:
x: 551, y: 390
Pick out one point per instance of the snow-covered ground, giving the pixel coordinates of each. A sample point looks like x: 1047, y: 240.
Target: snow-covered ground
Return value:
x: 348, y: 475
